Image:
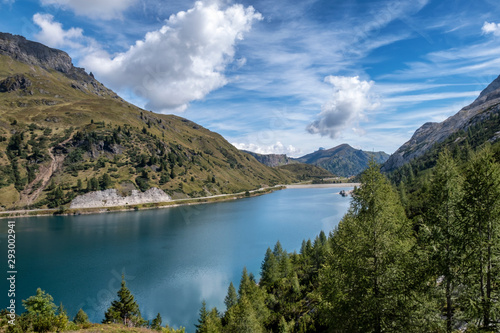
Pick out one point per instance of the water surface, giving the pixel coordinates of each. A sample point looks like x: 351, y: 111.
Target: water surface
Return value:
x: 172, y: 258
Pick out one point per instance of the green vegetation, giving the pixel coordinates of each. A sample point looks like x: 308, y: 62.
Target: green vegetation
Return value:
x: 86, y: 141
x: 380, y: 270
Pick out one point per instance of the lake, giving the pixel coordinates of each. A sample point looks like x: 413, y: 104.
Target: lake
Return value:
x: 172, y: 258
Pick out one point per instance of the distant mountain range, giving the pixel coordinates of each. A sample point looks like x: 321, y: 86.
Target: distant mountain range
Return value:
x: 343, y: 160
x: 471, y: 127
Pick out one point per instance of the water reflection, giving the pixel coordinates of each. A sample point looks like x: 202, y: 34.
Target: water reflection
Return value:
x: 172, y: 258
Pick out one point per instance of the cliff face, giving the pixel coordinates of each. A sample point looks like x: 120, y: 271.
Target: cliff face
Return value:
x: 39, y: 55
x: 33, y: 53
x: 431, y: 133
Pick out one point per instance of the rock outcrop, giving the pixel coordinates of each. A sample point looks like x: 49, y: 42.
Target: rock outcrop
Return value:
x: 39, y: 55
x: 429, y: 134
x: 111, y: 198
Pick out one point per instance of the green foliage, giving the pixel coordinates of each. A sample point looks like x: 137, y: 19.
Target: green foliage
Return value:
x: 481, y: 223
x: 81, y: 318
x: 156, y: 323
x: 124, y: 310
x: 363, y: 284
x: 41, y: 312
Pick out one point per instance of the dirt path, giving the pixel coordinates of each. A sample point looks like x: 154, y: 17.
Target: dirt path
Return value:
x: 28, y: 195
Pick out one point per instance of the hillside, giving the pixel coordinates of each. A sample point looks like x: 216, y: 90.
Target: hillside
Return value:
x: 63, y: 133
x: 272, y: 160
x: 343, y: 160
x: 472, y: 126
x: 304, y: 171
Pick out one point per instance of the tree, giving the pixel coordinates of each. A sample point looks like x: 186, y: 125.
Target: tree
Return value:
x: 125, y: 309
x: 481, y: 213
x: 61, y: 319
x: 269, y: 269
x: 105, y: 181
x: 156, y: 324
x: 441, y: 232
x: 362, y: 286
x: 231, y: 298
x: 242, y: 318
x: 202, y: 320
x: 41, y: 311
x: 81, y: 318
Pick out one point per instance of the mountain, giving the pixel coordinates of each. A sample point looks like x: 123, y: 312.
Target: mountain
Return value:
x: 471, y: 126
x: 63, y: 134
x: 343, y: 160
x: 272, y: 160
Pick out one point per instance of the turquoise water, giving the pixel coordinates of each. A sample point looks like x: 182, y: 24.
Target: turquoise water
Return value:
x: 172, y: 258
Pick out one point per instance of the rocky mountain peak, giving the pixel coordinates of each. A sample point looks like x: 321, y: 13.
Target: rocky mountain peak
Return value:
x: 430, y: 134
x: 33, y: 53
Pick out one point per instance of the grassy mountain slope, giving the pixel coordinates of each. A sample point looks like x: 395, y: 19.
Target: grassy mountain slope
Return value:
x: 343, y: 160
x: 304, y: 171
x: 62, y: 133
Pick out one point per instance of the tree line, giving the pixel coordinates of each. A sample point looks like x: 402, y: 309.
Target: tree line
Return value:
x: 380, y: 271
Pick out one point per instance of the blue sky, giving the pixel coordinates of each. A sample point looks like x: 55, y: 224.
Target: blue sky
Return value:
x: 280, y: 76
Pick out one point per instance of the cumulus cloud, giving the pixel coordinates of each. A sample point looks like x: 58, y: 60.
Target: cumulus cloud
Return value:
x: 53, y: 34
x: 107, y: 9
x: 491, y: 28
x: 277, y: 148
x: 350, y: 99
x: 181, y: 62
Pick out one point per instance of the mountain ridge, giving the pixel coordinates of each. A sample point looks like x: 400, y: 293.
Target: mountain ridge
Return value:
x: 64, y: 134
x: 430, y: 134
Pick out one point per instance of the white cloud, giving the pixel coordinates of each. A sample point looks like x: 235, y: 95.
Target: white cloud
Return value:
x: 350, y: 99
x: 53, y: 34
x: 107, y: 9
x: 491, y: 28
x: 183, y: 61
x: 277, y: 148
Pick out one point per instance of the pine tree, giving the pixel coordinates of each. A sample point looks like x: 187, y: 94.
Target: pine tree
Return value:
x: 442, y: 233
x: 481, y: 213
x: 201, y: 327
x: 156, y: 323
x: 81, y: 318
x: 125, y: 309
x: 231, y: 298
x: 363, y: 283
x: 269, y: 269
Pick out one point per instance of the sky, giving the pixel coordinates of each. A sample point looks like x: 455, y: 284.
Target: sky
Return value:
x: 286, y: 77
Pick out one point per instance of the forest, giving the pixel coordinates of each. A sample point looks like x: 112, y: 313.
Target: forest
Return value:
x: 422, y: 257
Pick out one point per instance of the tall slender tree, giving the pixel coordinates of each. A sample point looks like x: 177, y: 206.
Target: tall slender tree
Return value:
x: 481, y: 212
x: 441, y: 232
x: 362, y: 287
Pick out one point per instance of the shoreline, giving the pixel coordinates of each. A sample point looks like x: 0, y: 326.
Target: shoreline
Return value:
x: 336, y: 185
x: 161, y: 205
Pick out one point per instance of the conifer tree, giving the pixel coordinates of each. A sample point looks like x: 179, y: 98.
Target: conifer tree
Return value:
x: 269, y: 269
x: 156, y: 323
x: 201, y: 327
x: 124, y: 310
x: 231, y: 298
x: 442, y: 233
x: 481, y: 213
x: 81, y: 318
x: 362, y: 285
